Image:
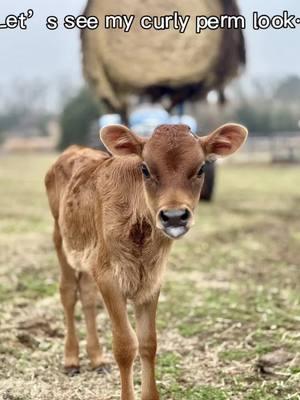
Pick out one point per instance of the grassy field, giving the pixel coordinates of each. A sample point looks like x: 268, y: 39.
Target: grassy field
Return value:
x: 229, y: 315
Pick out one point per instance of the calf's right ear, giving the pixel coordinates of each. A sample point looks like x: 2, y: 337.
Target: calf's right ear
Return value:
x: 120, y: 141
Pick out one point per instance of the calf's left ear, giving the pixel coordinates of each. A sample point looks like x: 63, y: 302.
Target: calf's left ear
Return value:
x: 120, y: 141
x: 224, y: 141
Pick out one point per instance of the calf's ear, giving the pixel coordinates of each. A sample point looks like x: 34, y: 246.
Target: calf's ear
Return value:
x: 224, y: 141
x: 120, y: 141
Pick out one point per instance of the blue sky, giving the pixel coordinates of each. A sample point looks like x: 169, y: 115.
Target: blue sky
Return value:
x: 39, y: 53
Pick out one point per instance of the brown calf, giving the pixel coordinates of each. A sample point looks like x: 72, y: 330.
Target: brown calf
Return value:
x: 115, y: 220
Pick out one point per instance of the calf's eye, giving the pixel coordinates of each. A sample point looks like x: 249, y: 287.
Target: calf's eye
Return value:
x: 201, y: 170
x: 145, y: 171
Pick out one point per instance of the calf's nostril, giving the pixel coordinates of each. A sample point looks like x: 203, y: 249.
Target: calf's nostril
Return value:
x: 185, y: 216
x: 164, y: 216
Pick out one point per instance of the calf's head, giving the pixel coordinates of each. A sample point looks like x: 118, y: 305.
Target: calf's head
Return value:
x: 172, y: 163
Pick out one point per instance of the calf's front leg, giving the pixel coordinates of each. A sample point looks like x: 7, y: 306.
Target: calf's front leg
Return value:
x: 146, y: 333
x: 124, y: 338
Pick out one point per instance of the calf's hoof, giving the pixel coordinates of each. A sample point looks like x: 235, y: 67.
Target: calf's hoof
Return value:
x: 103, y: 369
x: 72, y: 370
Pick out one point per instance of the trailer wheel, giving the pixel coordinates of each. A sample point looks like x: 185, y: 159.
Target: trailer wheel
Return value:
x: 209, y: 183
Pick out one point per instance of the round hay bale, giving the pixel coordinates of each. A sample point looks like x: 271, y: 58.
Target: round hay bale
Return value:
x: 183, y: 65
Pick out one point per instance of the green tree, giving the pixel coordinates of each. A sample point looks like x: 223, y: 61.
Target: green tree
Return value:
x: 77, y: 118
x: 288, y: 90
x: 257, y: 119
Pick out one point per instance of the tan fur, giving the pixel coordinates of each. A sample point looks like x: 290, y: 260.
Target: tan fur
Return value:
x: 97, y: 199
x: 107, y: 226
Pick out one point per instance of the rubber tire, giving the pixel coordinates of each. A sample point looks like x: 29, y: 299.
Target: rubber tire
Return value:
x: 209, y: 183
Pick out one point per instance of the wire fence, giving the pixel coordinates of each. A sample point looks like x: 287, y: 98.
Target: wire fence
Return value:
x: 283, y: 147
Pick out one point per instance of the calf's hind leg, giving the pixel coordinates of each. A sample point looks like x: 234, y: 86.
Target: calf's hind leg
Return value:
x: 88, y: 296
x: 68, y: 293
